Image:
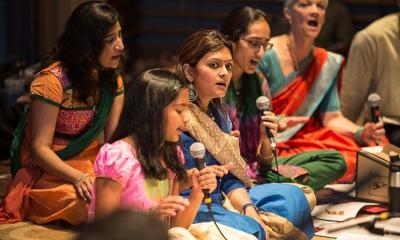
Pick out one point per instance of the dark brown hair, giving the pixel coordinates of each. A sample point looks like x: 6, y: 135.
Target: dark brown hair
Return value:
x: 236, y: 23
x: 142, y: 118
x: 193, y: 50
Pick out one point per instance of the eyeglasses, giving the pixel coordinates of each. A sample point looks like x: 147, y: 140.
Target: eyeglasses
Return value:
x: 256, y: 44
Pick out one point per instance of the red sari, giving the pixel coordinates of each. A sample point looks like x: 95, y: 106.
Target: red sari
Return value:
x: 309, y: 94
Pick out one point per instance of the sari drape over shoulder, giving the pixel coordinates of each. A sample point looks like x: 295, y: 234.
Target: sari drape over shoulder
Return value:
x: 309, y: 94
x: 282, y: 199
x: 35, y: 194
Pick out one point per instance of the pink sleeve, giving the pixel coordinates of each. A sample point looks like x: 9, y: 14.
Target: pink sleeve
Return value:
x: 117, y: 162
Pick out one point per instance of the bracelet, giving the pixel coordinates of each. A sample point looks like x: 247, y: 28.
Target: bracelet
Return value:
x: 245, y: 206
x: 358, y: 134
x: 79, y: 179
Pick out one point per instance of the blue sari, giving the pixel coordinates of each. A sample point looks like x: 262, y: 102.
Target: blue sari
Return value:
x: 282, y: 199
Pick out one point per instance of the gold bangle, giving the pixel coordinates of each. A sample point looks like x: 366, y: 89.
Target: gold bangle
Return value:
x: 79, y: 179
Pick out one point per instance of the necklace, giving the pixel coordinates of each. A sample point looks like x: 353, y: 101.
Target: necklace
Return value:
x: 292, y: 56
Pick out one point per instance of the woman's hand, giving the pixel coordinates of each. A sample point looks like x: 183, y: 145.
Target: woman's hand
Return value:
x: 170, y: 206
x: 204, y: 179
x: 286, y: 122
x: 373, y: 133
x: 221, y: 170
x: 251, y: 212
x: 84, y: 187
x: 270, y: 121
x: 235, y: 133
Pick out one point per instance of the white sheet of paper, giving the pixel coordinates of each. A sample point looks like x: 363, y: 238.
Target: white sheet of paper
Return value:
x: 360, y: 236
x: 373, y: 149
x: 339, y: 212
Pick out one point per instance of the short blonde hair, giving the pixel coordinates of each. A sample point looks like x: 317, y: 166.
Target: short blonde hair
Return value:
x: 290, y: 3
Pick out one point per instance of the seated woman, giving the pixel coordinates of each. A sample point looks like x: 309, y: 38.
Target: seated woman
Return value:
x: 249, y: 31
x: 142, y: 166
x: 77, y: 94
x: 304, y: 86
x: 206, y: 62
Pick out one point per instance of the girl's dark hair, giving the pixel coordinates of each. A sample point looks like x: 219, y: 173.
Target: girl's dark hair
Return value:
x: 80, y: 45
x: 234, y: 26
x: 238, y: 20
x: 142, y: 118
x: 195, y: 47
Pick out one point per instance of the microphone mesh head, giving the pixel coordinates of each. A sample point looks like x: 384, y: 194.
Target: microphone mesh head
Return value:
x: 263, y: 103
x: 197, y: 150
x: 374, y: 100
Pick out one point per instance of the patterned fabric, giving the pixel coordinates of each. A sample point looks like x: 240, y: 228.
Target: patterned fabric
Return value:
x: 323, y: 166
x: 74, y: 116
x: 222, y: 146
x: 72, y: 122
x: 309, y: 94
x: 35, y: 194
x: 282, y: 199
x: 118, y: 161
x: 244, y: 115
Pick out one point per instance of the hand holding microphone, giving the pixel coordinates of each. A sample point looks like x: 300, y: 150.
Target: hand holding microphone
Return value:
x: 206, y: 178
x: 374, y: 130
x: 269, y: 120
x: 374, y: 101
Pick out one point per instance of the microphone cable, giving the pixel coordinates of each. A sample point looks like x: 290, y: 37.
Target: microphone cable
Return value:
x: 213, y: 219
x: 276, y: 164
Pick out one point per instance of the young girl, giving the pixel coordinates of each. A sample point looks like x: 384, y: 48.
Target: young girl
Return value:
x: 142, y: 166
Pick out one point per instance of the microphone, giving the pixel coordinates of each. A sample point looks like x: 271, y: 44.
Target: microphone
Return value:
x: 360, y: 221
x: 374, y: 101
x: 197, y: 150
x: 263, y: 104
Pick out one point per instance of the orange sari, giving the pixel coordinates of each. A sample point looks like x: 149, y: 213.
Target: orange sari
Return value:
x: 309, y: 94
x: 34, y: 194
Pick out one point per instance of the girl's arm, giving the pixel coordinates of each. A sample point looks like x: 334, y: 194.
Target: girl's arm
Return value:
x: 108, y: 196
x: 205, y: 179
x: 43, y: 129
x: 185, y: 218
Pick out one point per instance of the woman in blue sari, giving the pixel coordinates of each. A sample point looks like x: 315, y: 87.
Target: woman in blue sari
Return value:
x: 206, y: 62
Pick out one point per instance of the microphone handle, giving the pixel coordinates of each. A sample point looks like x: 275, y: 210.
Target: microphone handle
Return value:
x: 271, y: 139
x: 200, y: 165
x: 269, y: 134
x: 375, y: 114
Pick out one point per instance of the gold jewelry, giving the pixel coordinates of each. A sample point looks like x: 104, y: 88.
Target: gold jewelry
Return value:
x: 79, y: 179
